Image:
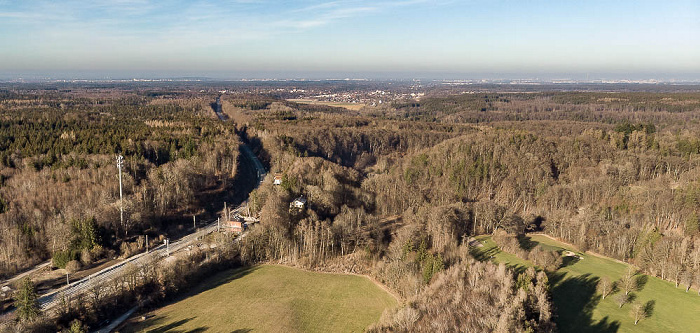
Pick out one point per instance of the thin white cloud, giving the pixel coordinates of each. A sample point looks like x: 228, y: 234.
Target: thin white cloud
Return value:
x: 324, y: 15
x: 321, y: 6
x: 144, y: 31
x: 18, y: 15
x: 123, y: 17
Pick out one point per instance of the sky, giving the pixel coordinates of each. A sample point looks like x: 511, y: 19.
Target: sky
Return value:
x: 450, y: 38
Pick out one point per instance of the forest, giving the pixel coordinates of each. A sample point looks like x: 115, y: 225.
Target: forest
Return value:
x: 403, y: 188
x: 60, y: 188
x: 394, y: 191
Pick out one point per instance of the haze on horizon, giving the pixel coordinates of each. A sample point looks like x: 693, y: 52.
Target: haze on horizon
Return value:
x: 626, y: 38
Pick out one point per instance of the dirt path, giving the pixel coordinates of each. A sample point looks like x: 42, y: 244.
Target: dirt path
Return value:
x: 117, y: 322
x: 586, y: 252
x: 23, y: 274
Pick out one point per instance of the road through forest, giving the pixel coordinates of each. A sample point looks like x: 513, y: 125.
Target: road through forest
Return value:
x: 104, y: 276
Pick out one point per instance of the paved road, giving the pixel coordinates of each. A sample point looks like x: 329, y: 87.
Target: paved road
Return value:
x: 219, y: 110
x: 114, y: 324
x: 259, y: 168
x: 29, y: 272
x: 102, y: 277
x: 118, y: 321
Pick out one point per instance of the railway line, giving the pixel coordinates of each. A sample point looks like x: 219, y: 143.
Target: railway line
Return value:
x: 101, y: 278
x: 49, y: 301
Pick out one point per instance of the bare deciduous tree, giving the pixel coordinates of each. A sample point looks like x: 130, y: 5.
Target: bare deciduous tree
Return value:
x: 621, y: 299
x: 627, y: 282
x: 605, y: 287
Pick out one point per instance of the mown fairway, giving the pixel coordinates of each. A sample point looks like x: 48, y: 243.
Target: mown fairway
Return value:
x: 581, y: 309
x: 273, y: 299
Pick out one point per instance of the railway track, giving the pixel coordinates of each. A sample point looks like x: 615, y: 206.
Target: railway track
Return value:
x: 49, y: 301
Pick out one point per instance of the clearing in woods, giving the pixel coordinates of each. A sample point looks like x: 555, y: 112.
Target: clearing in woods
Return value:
x: 272, y: 298
x: 349, y: 106
x: 580, y: 308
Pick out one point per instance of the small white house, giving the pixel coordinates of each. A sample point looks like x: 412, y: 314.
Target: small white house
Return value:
x: 5, y: 290
x: 299, y: 203
x: 277, y: 180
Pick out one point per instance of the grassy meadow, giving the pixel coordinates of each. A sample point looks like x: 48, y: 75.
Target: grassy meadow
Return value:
x: 271, y: 298
x: 349, y: 106
x: 581, y: 309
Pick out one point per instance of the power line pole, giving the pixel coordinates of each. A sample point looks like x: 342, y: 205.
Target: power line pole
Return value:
x: 120, y: 163
x: 225, y: 211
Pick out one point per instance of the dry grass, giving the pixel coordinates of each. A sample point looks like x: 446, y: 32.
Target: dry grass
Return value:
x: 349, y: 106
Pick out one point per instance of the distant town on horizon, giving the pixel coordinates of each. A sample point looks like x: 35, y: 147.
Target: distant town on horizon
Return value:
x: 427, y: 166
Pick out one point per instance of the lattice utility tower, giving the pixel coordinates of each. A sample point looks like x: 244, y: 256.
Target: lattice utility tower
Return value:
x: 120, y: 163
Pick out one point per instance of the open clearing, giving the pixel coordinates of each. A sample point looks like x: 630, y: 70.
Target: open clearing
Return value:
x: 349, y: 106
x: 581, y: 309
x: 271, y: 298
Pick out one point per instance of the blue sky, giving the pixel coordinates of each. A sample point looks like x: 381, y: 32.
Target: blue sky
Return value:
x: 405, y: 36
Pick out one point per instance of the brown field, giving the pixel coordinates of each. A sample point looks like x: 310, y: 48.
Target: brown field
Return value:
x: 349, y: 106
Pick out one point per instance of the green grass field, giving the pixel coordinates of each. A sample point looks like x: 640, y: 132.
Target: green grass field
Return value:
x: 272, y: 298
x: 581, y: 309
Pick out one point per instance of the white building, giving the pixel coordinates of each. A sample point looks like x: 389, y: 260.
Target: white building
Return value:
x: 299, y: 203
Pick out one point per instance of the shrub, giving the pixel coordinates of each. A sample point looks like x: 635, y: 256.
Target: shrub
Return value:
x: 77, y: 327
x: 86, y: 257
x: 73, y: 266
x: 61, y: 258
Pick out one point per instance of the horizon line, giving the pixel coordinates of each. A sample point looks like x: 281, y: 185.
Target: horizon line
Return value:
x: 253, y: 75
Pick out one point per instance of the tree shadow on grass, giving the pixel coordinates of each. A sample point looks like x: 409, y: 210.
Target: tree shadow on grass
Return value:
x: 173, y: 327
x: 575, y: 298
x: 526, y: 243
x: 483, y: 254
x: 569, y: 260
x: 218, y: 280
x: 517, y: 269
x: 487, y: 254
x: 202, y: 286
x: 197, y: 330
x: 641, y: 282
x: 169, y: 327
x: 210, y: 282
x: 649, y: 308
